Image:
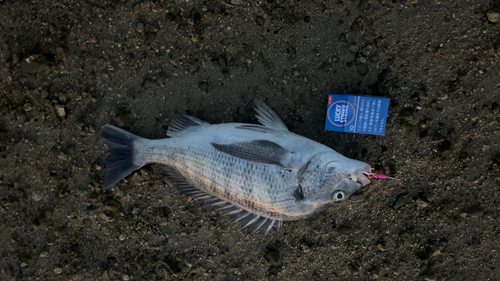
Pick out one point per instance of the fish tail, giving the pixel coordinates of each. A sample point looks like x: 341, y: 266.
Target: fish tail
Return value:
x: 122, y: 154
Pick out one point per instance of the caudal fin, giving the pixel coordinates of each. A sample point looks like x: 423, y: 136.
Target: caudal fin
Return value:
x: 121, y: 157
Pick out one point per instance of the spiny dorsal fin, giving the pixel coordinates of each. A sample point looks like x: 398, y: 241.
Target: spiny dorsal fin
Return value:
x: 268, y: 117
x: 258, y: 151
x: 178, y: 125
x: 258, y: 128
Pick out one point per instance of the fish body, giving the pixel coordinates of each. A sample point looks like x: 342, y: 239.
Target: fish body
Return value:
x: 261, y: 174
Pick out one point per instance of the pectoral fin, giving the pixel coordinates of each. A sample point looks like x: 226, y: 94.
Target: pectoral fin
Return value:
x: 258, y: 151
x: 302, y: 192
x: 298, y: 193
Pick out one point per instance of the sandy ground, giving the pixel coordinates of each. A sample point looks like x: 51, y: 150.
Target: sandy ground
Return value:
x: 70, y: 66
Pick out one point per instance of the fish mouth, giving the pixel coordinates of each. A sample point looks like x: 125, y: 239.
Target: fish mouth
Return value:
x: 363, y: 180
x: 361, y: 176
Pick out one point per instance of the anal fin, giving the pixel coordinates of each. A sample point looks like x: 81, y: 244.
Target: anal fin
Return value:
x: 239, y: 214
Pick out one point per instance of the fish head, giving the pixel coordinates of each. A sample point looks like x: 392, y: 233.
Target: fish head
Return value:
x: 341, y: 178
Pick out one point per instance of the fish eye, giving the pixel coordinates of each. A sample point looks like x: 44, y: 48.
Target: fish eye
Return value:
x: 338, y: 196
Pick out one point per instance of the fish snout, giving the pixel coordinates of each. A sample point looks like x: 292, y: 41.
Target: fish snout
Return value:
x: 360, y: 175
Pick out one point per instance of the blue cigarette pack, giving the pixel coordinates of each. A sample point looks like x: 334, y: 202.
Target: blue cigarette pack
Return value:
x: 357, y: 114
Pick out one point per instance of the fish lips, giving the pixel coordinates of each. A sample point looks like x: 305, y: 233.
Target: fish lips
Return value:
x: 360, y: 176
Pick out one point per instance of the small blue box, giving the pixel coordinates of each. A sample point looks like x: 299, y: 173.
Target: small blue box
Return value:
x: 356, y: 114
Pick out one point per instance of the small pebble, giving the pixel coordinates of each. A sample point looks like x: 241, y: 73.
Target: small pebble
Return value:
x: 125, y: 277
x: 208, y: 16
x: 60, y: 54
x: 57, y: 270
x: 27, y: 107
x: 354, y: 48
x: 296, y: 73
x: 119, y: 121
x: 421, y: 204
x: 122, y: 237
x: 43, y: 255
x: 260, y: 21
x: 60, y: 111
x: 107, y: 218
x: 362, y: 68
x: 493, y: 16
x: 367, y: 50
x: 63, y: 98
x: 140, y: 27
x: 418, y: 108
x: 36, y: 197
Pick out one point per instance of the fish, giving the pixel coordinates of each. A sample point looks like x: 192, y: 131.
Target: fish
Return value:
x: 260, y: 174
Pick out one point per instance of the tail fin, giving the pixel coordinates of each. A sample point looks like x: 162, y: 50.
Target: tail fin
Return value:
x: 121, y: 158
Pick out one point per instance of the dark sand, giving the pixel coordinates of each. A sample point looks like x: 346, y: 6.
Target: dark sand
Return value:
x: 137, y: 64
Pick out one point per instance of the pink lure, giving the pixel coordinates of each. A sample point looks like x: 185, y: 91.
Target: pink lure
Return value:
x: 379, y: 176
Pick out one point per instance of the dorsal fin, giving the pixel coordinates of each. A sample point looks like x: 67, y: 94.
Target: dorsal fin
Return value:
x: 178, y: 125
x: 258, y: 128
x: 268, y: 117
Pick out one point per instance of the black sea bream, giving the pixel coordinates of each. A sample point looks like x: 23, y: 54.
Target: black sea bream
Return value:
x: 262, y: 175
